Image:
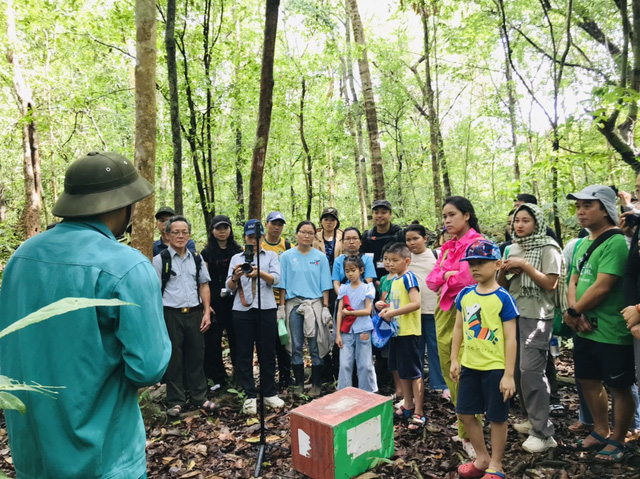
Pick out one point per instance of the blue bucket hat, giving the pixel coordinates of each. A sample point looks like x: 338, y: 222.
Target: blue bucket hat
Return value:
x: 482, y: 249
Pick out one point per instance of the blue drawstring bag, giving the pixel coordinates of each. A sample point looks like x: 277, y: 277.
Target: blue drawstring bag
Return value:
x: 383, y: 331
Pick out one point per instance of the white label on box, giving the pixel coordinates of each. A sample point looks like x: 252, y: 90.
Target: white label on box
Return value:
x: 364, y: 438
x: 304, y: 443
x: 343, y: 404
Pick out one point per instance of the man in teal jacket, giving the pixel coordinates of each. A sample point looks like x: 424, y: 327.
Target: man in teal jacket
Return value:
x: 100, y: 356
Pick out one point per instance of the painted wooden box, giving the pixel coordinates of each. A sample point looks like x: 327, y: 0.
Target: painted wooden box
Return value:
x: 339, y: 435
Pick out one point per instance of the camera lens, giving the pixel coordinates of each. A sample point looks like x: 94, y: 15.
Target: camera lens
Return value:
x: 246, y: 268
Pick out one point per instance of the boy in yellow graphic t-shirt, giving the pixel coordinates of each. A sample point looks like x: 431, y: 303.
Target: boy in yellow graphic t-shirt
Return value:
x: 485, y: 324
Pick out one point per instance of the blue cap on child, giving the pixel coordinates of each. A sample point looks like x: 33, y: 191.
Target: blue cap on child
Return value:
x: 482, y: 249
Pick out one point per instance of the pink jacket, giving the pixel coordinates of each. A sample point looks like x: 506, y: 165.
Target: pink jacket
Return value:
x: 449, y: 260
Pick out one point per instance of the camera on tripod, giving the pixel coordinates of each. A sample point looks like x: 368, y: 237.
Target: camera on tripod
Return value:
x: 248, y: 253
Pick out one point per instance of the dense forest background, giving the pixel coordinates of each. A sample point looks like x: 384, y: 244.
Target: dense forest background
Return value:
x: 480, y: 98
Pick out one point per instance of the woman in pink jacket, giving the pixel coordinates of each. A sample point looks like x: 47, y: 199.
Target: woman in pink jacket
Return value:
x: 448, y: 278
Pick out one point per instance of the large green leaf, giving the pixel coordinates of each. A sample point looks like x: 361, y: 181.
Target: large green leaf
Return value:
x: 60, y: 307
x: 9, y: 401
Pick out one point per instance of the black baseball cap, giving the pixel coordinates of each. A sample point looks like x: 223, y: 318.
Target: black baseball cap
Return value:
x: 381, y: 204
x: 165, y: 210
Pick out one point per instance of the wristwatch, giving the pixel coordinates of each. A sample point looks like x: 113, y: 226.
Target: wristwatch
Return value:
x: 573, y: 313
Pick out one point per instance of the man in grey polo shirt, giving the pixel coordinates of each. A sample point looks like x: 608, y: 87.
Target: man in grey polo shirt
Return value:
x: 187, y: 313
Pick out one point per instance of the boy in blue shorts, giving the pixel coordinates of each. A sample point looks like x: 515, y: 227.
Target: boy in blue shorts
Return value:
x: 485, y: 323
x: 404, y: 349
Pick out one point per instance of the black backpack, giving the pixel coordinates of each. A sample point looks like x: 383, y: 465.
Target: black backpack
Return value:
x: 167, y: 272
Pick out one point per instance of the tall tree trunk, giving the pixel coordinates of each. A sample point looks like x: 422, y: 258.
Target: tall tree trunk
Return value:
x: 264, y: 109
x: 377, y: 171
x: 307, y: 153
x: 354, y: 110
x: 238, y: 124
x: 145, y: 129
x: 3, y: 200
x: 174, y: 102
x: 511, y: 105
x: 435, y: 133
x: 30, y: 218
x: 191, y: 131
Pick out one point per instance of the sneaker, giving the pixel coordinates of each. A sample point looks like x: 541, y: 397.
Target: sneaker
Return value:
x: 250, y: 406
x: 446, y: 395
x: 468, y: 449
x: 523, y: 427
x: 535, y: 444
x: 274, y: 402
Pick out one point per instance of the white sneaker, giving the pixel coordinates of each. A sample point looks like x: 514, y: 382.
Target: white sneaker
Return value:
x: 468, y: 449
x: 535, y: 444
x: 250, y: 406
x: 523, y: 427
x: 274, y: 402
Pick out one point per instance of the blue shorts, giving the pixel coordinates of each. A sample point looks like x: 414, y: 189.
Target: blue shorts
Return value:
x: 479, y: 392
x: 404, y: 356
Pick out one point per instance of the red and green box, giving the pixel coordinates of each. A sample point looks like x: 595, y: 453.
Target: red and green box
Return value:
x: 340, y: 435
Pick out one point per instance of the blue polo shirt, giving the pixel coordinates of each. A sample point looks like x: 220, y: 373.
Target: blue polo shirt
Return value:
x: 99, y: 356
x: 338, y: 268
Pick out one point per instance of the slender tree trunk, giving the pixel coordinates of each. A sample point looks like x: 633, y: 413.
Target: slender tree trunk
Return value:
x: 264, y: 109
x: 435, y: 134
x: 307, y: 153
x: 377, y: 171
x: 30, y: 218
x: 145, y: 129
x: 174, y: 103
x: 3, y: 200
x: 238, y: 125
x: 330, y: 179
x: 511, y: 104
x: 191, y: 132
x: 355, y: 113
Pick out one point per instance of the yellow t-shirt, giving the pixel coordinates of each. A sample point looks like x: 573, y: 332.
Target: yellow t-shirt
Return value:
x: 482, y: 333
x: 408, y: 324
x: 278, y: 248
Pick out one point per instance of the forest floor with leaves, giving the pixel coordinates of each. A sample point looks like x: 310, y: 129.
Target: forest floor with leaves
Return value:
x: 224, y: 445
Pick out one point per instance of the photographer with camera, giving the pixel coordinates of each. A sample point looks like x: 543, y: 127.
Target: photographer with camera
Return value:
x: 221, y: 247
x: 248, y: 309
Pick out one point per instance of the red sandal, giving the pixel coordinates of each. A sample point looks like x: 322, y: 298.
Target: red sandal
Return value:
x: 470, y: 471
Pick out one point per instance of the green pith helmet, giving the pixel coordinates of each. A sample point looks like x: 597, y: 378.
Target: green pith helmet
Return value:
x: 100, y: 182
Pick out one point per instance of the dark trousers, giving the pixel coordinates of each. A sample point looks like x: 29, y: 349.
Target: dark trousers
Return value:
x: 213, y: 364
x: 284, y: 360
x: 187, y: 353
x: 247, y: 334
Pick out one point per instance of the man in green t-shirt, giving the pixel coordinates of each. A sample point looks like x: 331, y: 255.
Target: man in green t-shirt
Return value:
x: 603, y: 347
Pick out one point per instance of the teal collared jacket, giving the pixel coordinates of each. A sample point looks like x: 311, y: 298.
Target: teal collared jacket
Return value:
x: 99, y: 356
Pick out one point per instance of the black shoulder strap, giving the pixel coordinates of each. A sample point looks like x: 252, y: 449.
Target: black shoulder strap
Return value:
x: 435, y: 253
x: 287, y: 244
x: 198, y: 259
x: 166, y: 268
x: 598, y: 241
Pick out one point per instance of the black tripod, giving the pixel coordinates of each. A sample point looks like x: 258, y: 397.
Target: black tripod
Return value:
x: 262, y: 444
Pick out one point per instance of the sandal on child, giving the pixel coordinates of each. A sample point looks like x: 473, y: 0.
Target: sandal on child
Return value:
x: 401, y: 413
x: 417, y: 422
x: 493, y: 474
x: 611, y: 456
x: 470, y: 471
x: 209, y: 407
x: 174, y: 411
x: 602, y: 442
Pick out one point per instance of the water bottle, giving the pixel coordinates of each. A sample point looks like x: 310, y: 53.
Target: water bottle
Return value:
x: 554, y: 346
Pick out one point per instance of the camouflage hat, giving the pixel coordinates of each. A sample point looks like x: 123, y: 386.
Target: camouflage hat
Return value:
x: 100, y: 182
